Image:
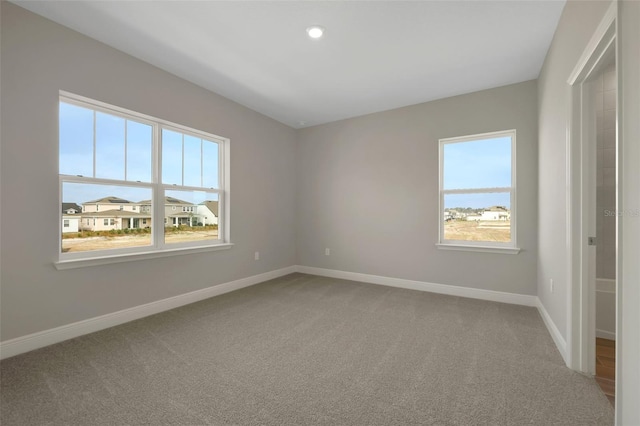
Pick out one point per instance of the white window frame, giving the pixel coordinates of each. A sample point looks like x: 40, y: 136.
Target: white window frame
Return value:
x: 485, y: 246
x: 158, y: 247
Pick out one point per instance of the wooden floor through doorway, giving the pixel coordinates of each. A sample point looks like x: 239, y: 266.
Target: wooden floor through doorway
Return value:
x: 606, y: 367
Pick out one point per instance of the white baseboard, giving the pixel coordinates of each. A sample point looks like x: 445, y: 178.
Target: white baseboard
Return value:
x: 561, y: 344
x: 603, y: 334
x: 44, y: 338
x: 55, y: 335
x: 452, y: 290
x: 473, y: 293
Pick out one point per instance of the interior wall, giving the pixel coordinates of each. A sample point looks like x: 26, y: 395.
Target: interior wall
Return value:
x: 577, y: 24
x: 628, y: 273
x: 604, y: 99
x: 39, y: 58
x: 368, y: 191
x: 604, y: 89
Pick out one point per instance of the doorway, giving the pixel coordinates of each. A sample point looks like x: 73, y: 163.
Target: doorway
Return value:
x: 603, y: 96
x: 591, y: 206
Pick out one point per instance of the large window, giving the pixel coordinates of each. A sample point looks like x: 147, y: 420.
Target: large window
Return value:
x: 145, y: 185
x: 477, y: 191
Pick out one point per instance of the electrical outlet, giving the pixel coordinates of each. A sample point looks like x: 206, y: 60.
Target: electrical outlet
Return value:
x: 327, y: 252
x: 257, y: 255
x: 551, y: 284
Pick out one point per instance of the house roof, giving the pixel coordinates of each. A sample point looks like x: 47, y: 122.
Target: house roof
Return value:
x: 497, y: 209
x: 109, y: 200
x: 212, y: 206
x: 167, y: 200
x: 117, y: 213
x: 67, y: 206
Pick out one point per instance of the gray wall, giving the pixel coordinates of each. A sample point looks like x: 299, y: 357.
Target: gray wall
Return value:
x: 39, y: 58
x: 577, y: 24
x: 368, y: 190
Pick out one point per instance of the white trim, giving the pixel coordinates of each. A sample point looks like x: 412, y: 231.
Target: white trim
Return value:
x: 131, y: 257
x: 510, y: 189
x: 44, y: 338
x: 590, y: 50
x: 580, y: 273
x: 561, y: 344
x: 157, y: 187
x: 602, y: 334
x: 41, y: 339
x: 452, y: 290
x: 486, y: 249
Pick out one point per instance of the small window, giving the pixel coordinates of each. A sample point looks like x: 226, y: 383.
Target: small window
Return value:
x: 477, y: 190
x: 65, y: 223
x: 106, y: 222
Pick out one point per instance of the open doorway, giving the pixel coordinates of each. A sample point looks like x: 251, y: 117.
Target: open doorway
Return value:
x: 592, y: 193
x: 603, y: 87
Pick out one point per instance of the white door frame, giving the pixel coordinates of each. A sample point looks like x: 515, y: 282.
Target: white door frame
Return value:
x: 581, y: 210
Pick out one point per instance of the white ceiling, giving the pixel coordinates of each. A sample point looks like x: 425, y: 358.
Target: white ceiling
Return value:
x: 375, y: 56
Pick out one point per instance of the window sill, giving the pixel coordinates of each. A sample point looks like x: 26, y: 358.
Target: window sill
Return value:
x: 485, y: 249
x: 131, y: 257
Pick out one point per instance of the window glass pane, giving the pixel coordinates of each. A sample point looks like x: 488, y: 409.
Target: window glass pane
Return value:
x: 109, y: 146
x: 478, y: 217
x: 190, y: 216
x: 210, y: 164
x: 76, y: 140
x: 192, y: 161
x: 171, y: 157
x: 477, y: 164
x: 98, y: 223
x: 139, y: 147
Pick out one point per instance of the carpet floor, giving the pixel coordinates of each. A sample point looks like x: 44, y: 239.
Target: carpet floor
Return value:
x: 306, y: 350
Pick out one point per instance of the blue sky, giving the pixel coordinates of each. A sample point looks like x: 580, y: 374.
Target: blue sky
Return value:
x: 477, y: 164
x: 111, y: 157
x: 467, y: 165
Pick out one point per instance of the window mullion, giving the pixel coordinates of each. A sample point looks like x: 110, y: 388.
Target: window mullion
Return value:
x: 157, y: 221
x: 477, y: 190
x: 182, y: 181
x: 94, y: 144
x: 125, y: 148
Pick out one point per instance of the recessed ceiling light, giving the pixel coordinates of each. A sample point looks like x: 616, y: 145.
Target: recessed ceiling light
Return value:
x: 315, y: 31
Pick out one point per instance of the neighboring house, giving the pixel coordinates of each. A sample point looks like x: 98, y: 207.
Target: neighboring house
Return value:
x: 114, y: 219
x: 474, y: 218
x: 176, y: 212
x: 496, y: 213
x: 109, y: 203
x: 71, y: 208
x: 70, y: 217
x: 208, y: 212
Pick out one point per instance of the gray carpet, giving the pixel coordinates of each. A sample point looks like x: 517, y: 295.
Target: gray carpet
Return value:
x: 305, y: 350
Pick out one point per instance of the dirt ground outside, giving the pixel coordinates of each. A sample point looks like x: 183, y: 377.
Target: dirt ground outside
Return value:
x: 71, y: 245
x: 498, y: 230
